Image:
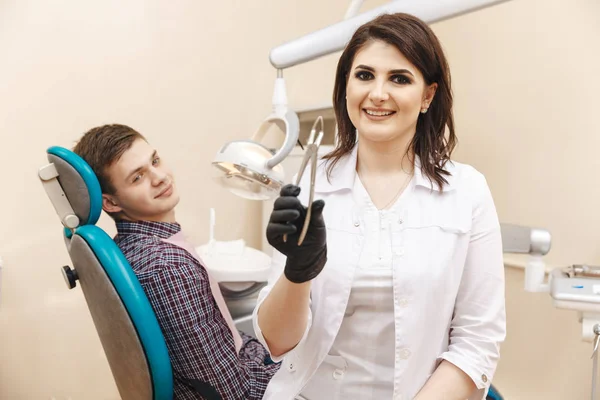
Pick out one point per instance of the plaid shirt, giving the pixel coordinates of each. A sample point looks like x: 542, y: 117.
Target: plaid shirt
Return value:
x: 198, y: 338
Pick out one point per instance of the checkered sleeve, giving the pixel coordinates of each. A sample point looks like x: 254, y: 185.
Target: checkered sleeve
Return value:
x: 200, y: 343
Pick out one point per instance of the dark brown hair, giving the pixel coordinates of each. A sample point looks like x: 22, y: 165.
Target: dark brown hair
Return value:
x: 417, y: 42
x: 104, y: 145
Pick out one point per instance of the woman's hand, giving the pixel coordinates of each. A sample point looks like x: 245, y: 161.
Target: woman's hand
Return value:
x: 306, y: 261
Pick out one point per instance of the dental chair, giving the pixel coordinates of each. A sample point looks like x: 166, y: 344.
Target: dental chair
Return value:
x: 125, y: 321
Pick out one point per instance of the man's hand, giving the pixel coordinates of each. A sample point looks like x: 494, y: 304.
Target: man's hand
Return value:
x: 306, y: 261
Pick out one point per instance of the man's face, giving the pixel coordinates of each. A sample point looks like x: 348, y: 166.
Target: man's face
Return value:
x: 145, y: 188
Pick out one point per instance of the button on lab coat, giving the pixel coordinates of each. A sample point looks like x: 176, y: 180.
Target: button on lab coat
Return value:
x: 448, y: 262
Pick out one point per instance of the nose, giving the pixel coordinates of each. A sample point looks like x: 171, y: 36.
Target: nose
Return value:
x: 159, y: 176
x: 378, y: 93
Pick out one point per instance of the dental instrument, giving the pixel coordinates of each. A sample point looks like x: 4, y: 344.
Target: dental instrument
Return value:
x: 310, y: 155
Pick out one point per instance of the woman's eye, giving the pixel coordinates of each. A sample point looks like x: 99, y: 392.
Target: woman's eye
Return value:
x: 400, y: 79
x: 137, y: 178
x: 156, y: 161
x: 364, y: 75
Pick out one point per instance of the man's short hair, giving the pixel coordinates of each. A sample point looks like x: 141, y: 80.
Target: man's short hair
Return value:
x: 104, y: 145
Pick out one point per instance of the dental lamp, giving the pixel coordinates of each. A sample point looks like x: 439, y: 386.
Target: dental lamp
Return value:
x: 249, y: 169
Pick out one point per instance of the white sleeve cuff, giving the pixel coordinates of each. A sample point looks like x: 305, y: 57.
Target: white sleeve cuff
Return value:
x: 261, y: 338
x: 481, y: 377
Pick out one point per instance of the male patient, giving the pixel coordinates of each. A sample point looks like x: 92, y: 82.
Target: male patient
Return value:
x: 209, y: 356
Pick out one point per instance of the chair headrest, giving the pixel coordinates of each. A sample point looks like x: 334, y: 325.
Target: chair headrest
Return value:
x: 79, y: 184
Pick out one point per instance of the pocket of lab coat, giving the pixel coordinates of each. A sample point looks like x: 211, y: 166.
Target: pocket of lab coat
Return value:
x: 435, y: 244
x: 327, y: 381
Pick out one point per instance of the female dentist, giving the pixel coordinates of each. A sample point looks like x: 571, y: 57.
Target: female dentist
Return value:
x: 397, y: 292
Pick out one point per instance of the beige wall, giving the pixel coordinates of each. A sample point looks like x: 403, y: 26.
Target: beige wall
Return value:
x: 525, y: 79
x: 191, y: 79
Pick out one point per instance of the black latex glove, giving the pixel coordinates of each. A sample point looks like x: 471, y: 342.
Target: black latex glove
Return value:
x: 306, y: 261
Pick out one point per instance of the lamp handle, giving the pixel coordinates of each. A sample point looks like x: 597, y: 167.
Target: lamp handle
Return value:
x: 291, y: 124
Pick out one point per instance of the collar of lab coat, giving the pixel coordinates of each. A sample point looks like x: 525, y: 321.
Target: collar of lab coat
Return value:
x: 344, y: 173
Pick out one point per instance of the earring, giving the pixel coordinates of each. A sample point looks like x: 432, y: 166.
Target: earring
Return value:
x: 423, y: 110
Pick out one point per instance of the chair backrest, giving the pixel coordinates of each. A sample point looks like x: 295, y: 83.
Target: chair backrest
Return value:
x: 123, y: 317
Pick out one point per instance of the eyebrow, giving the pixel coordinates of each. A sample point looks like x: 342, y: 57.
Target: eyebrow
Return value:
x: 392, y: 72
x: 138, y: 169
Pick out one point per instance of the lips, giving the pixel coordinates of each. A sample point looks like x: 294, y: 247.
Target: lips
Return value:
x: 166, y: 191
x: 378, y: 114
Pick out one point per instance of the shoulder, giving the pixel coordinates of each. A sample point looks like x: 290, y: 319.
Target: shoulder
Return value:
x: 465, y: 178
x: 471, y: 187
x: 180, y: 262
x: 140, y: 250
x: 148, y: 256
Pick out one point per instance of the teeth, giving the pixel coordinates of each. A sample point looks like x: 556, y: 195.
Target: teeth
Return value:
x: 378, y: 113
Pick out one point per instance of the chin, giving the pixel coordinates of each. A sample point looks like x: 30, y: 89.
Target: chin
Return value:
x: 173, y: 200
x: 382, y: 136
x: 166, y: 206
x: 383, y: 133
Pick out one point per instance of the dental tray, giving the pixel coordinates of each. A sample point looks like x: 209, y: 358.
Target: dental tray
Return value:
x: 567, y: 285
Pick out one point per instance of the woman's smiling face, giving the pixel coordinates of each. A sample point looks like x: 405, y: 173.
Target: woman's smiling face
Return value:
x: 385, y: 93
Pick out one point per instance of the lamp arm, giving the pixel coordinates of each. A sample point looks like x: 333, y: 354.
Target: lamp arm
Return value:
x: 335, y: 37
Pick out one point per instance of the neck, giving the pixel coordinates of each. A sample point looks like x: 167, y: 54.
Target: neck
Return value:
x: 384, y: 158
x: 166, y: 217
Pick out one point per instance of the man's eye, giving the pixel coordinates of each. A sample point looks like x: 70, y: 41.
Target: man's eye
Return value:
x: 363, y: 75
x: 400, y: 79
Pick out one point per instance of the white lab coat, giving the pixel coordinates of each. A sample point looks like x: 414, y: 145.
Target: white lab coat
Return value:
x: 448, y: 281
